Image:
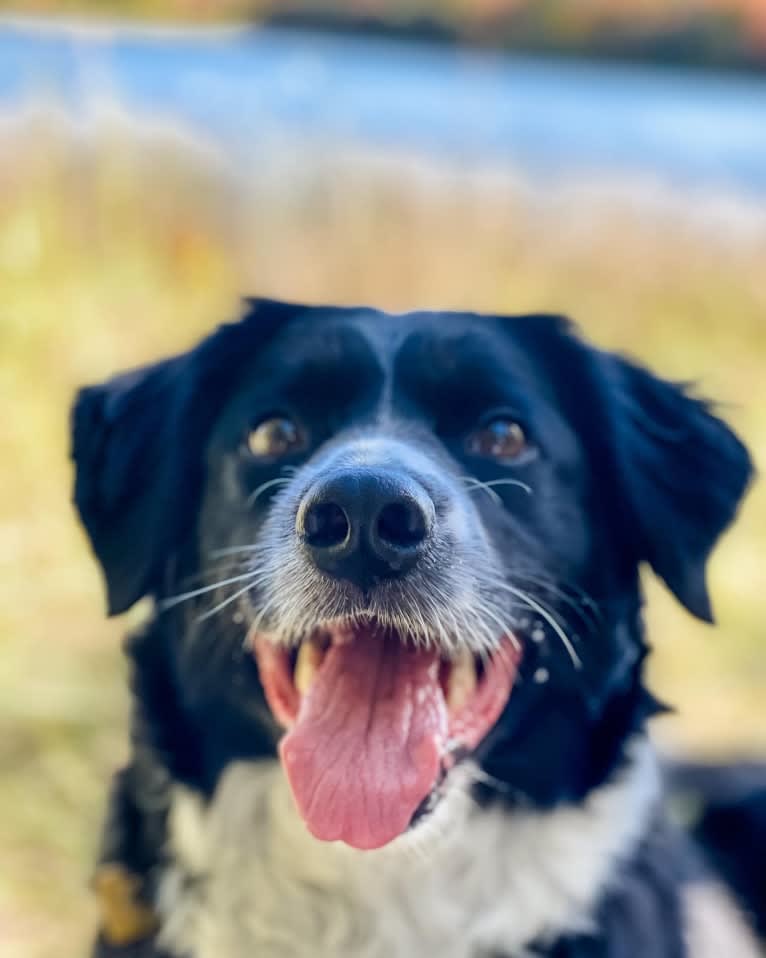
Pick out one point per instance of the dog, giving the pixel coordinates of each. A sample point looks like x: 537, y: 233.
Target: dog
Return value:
x: 390, y: 699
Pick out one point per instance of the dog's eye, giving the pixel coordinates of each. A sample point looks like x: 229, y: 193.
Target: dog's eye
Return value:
x: 275, y: 437
x: 498, y: 438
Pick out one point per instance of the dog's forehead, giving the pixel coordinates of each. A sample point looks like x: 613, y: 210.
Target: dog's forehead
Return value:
x: 399, y: 343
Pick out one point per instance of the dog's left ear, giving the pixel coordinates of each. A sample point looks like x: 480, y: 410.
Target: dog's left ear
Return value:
x: 137, y: 444
x: 682, y: 472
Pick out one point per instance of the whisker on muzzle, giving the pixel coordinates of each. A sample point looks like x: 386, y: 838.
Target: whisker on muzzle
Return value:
x: 580, y: 602
x: 265, y: 486
x: 227, y: 601
x: 473, y: 484
x: 174, y: 600
x: 506, y: 631
x: 547, y: 615
x: 248, y: 547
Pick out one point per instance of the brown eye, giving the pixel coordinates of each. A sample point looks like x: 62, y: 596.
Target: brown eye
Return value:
x: 500, y: 438
x: 275, y: 437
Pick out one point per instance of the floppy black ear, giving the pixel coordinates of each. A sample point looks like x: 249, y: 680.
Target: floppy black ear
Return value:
x: 137, y: 446
x: 682, y: 471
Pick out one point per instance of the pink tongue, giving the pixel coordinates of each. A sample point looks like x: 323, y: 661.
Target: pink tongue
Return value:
x: 365, y: 749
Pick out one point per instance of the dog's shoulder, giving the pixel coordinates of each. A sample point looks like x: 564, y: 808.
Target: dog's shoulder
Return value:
x: 663, y: 901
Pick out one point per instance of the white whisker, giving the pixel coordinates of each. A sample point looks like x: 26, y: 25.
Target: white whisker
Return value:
x: 279, y: 481
x: 504, y: 629
x: 255, y: 624
x: 177, y: 599
x: 205, y: 575
x: 222, y: 605
x: 549, y: 618
x: 581, y: 608
x: 473, y: 484
x: 508, y: 482
x: 232, y: 550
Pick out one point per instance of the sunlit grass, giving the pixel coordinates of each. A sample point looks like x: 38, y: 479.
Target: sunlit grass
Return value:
x: 125, y: 243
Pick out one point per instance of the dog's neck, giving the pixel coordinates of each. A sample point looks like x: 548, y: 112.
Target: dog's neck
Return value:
x: 247, y: 878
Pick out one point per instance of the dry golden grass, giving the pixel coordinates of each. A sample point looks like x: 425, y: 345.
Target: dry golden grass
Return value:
x: 122, y: 245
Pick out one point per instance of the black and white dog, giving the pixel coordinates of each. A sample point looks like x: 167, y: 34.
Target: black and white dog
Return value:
x: 390, y: 701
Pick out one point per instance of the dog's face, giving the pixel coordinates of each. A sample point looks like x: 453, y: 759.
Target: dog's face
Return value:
x: 396, y: 548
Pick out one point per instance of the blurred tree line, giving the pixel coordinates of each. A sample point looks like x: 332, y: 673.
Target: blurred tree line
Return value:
x: 727, y: 33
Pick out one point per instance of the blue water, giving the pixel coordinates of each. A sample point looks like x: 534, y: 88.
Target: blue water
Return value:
x: 540, y: 116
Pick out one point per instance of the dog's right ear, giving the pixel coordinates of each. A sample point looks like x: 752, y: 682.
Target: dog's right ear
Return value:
x: 137, y: 446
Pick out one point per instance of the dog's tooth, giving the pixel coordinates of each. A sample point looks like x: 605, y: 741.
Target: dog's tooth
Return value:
x: 462, y: 681
x: 309, y: 659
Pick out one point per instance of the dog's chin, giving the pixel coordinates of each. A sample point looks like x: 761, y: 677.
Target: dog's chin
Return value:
x: 379, y: 729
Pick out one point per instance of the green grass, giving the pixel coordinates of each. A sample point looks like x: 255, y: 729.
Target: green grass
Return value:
x: 122, y: 246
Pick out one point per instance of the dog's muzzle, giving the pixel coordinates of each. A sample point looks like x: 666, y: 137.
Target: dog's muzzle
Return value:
x: 386, y: 654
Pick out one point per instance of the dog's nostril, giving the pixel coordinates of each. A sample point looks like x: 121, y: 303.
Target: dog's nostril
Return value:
x: 365, y: 526
x: 402, y: 524
x: 324, y: 525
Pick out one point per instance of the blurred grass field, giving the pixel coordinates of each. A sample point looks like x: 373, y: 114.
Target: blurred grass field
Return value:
x: 123, y: 242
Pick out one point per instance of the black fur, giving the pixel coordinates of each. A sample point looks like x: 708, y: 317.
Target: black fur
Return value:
x: 630, y: 469
x: 137, y: 445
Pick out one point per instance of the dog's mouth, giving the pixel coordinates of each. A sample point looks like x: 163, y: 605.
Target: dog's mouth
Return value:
x: 374, y: 722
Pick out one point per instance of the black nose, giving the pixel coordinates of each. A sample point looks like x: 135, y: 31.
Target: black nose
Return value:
x: 365, y: 525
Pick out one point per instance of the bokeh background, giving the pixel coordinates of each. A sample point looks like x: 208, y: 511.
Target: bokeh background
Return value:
x: 605, y: 159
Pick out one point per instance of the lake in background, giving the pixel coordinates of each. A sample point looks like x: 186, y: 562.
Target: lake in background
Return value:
x: 543, y: 118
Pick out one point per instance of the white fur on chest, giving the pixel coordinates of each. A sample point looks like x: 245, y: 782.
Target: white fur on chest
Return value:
x: 251, y: 882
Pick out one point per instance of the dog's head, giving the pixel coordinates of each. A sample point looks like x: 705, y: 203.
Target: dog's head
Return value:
x: 392, y: 547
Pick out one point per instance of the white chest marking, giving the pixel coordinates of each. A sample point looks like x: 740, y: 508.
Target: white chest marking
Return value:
x: 251, y: 881
x: 714, y: 926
